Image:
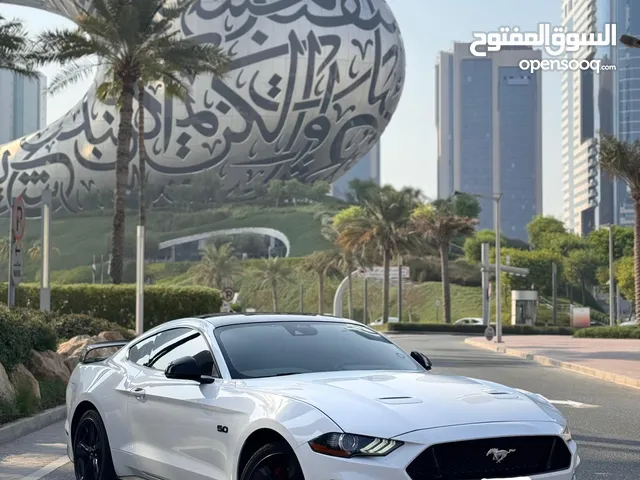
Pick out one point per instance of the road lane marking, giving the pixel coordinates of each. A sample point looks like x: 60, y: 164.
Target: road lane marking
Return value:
x: 571, y: 403
x: 47, y: 469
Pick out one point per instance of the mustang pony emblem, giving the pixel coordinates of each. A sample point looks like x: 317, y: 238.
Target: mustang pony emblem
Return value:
x: 499, y: 455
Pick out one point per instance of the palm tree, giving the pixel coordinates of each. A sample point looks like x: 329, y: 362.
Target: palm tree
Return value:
x: 15, y: 48
x: 380, y: 222
x: 320, y: 263
x: 4, y: 249
x: 35, y: 251
x: 344, y: 260
x: 437, y: 223
x: 133, y: 42
x: 272, y: 271
x: 218, y: 266
x: 621, y: 160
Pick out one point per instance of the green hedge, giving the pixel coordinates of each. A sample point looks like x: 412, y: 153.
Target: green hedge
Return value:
x: 21, y: 331
x: 117, y: 303
x: 608, y: 332
x: 69, y: 325
x: 475, y: 329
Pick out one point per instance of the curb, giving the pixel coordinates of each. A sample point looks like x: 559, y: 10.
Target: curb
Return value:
x: 551, y: 362
x: 457, y: 334
x: 32, y: 424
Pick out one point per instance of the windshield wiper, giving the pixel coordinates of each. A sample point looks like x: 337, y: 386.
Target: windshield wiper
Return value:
x: 283, y: 374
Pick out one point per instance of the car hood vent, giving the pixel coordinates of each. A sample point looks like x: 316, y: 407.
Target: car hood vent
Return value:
x: 399, y: 400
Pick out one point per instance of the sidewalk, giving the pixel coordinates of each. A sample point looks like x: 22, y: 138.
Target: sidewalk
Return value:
x: 612, y: 360
x: 34, y: 455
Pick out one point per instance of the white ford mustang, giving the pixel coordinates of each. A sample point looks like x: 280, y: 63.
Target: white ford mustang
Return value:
x: 298, y: 397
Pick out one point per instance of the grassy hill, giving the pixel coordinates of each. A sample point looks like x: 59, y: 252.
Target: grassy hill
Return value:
x: 78, y: 238
x: 419, y: 299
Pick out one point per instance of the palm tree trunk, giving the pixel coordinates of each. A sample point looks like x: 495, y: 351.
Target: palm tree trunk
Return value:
x: 385, y: 285
x: 142, y: 160
x: 636, y: 255
x: 123, y: 155
x: 349, y: 300
x: 320, y: 293
x: 274, y: 293
x: 444, y: 273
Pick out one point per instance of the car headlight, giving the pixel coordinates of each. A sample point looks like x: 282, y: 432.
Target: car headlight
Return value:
x: 348, y: 445
x: 566, y: 434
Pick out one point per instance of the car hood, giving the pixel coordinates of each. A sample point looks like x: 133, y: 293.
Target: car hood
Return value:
x: 387, y: 404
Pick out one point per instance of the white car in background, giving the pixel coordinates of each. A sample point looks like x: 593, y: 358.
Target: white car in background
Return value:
x: 378, y: 321
x: 298, y: 397
x: 468, y: 321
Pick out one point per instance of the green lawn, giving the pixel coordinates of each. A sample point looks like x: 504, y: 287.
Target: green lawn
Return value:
x: 79, y: 238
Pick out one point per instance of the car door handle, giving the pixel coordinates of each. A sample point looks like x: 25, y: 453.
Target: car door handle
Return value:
x: 139, y: 393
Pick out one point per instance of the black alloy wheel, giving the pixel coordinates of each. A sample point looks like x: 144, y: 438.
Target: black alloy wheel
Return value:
x: 91, y: 451
x: 274, y: 461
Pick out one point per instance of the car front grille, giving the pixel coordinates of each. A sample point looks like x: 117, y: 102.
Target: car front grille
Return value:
x: 503, y: 457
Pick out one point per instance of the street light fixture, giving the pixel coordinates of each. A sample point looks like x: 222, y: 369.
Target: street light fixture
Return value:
x: 629, y: 41
x: 496, y: 213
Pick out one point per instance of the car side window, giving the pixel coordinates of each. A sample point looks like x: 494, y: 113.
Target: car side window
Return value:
x: 143, y: 351
x: 192, y: 345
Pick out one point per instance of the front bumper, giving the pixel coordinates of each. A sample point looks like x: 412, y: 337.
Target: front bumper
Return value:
x: 316, y: 466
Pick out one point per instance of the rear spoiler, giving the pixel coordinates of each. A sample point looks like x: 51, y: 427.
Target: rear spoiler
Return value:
x: 98, y: 346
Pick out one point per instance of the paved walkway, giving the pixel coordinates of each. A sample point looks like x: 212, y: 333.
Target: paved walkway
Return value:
x: 615, y: 360
x: 35, y: 455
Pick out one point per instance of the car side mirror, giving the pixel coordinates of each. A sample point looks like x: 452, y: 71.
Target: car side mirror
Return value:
x: 186, y: 368
x: 422, y: 359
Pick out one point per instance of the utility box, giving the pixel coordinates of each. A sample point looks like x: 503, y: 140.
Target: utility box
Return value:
x: 524, y: 304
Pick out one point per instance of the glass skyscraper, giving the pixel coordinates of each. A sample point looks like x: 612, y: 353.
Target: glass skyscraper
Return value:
x: 607, y: 102
x: 367, y: 168
x: 23, y: 105
x: 489, y: 123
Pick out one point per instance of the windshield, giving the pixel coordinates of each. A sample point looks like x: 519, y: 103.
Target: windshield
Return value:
x: 285, y: 348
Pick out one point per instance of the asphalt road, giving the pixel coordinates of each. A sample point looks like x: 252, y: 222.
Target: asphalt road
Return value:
x: 608, y: 435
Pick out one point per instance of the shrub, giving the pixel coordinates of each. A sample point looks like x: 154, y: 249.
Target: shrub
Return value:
x: 427, y: 269
x: 608, y: 332
x: 599, y: 316
x: 72, y: 324
x: 21, y: 331
x: 116, y: 303
x: 25, y: 403
x: 52, y: 393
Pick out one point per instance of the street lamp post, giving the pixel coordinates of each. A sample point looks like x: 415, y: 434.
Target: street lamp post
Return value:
x: 496, y: 199
x: 496, y: 213
x: 612, y: 299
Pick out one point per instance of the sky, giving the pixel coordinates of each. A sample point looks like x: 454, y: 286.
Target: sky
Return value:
x: 409, y: 148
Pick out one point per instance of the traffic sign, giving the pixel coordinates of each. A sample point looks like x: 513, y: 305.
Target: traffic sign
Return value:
x: 228, y: 294
x: 16, y: 263
x: 18, y: 219
x: 437, y: 303
x: 226, y: 307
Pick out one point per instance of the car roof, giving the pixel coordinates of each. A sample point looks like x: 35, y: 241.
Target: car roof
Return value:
x: 224, y: 319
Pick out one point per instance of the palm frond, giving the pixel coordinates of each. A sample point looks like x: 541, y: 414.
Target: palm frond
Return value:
x: 71, y: 73
x: 621, y: 160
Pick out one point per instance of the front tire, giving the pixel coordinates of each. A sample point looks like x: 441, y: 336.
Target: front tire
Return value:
x: 91, y: 451
x: 274, y: 461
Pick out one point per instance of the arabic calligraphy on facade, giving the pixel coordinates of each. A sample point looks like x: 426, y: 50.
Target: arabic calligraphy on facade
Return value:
x: 313, y: 85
